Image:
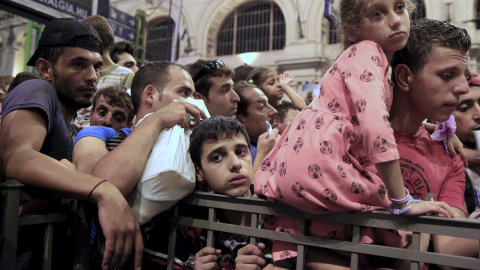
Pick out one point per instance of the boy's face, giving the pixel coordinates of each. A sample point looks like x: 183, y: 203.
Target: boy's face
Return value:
x: 227, y: 166
x: 436, y: 90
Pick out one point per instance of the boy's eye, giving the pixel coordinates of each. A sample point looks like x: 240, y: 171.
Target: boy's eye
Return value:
x: 400, y: 8
x: 217, y: 158
x: 240, y: 152
x: 446, y: 76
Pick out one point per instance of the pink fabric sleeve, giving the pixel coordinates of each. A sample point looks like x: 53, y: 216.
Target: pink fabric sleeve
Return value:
x: 453, y: 189
x: 370, y: 94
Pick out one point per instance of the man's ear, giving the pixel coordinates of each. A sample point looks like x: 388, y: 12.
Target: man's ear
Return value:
x: 350, y: 33
x: 148, y: 94
x: 403, y: 77
x: 45, y: 69
x: 198, y: 95
x: 199, y: 173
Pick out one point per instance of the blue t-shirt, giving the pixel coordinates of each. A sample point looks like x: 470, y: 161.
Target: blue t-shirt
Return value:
x: 101, y: 132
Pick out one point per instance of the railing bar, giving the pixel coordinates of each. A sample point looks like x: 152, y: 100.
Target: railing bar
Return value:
x: 212, y: 218
x: 47, y: 247
x: 458, y: 227
x: 354, y: 255
x: 253, y: 224
x: 429, y: 257
x: 43, y: 219
x: 172, y: 241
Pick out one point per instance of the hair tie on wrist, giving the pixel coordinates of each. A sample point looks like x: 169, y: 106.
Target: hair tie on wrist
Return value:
x: 445, y: 130
x: 91, y: 191
x: 400, y: 201
x: 394, y: 209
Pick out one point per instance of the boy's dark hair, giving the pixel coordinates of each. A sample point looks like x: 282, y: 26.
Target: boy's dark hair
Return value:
x: 244, y: 103
x: 122, y: 47
x: 103, y: 28
x: 425, y: 36
x: 154, y: 73
x: 282, y: 111
x: 216, y: 128
x: 203, y: 69
x: 21, y: 77
x: 241, y: 73
x: 116, y: 96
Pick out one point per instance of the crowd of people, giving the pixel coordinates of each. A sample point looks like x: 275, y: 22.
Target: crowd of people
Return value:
x: 90, y: 125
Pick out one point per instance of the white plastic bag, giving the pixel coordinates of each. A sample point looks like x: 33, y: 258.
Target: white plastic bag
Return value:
x: 169, y: 174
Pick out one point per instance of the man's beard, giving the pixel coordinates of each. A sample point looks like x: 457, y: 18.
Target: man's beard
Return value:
x: 65, y: 95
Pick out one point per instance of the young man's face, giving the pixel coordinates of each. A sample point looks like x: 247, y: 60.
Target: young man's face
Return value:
x: 222, y: 100
x: 107, y: 115
x: 259, y: 111
x: 467, y: 116
x: 179, y: 87
x: 127, y: 60
x: 436, y: 90
x: 75, y: 76
x: 227, y: 166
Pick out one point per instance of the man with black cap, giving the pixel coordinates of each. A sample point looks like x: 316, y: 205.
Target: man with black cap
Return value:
x: 37, y: 133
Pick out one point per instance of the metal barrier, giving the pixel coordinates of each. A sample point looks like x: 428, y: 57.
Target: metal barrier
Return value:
x: 13, y: 193
x: 457, y: 227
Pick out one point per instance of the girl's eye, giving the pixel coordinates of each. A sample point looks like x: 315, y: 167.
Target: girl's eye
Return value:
x: 376, y: 14
x: 400, y: 7
x: 463, y: 109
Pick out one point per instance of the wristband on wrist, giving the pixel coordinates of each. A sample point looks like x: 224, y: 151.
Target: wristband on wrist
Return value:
x: 91, y: 191
x: 400, y: 201
x: 394, y: 209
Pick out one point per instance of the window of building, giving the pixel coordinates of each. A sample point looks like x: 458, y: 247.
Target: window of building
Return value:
x: 160, y: 39
x: 252, y: 27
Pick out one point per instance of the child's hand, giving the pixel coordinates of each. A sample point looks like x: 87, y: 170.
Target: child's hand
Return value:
x: 431, y: 207
x: 454, y: 146
x: 206, y: 258
x: 285, y: 78
x: 251, y: 257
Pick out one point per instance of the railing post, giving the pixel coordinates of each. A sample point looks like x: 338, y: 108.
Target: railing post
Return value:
x: 172, y: 241
x: 301, y: 248
x: 356, y: 240
x: 47, y: 247
x: 253, y: 224
x: 414, y: 265
x: 11, y: 190
x: 212, y: 218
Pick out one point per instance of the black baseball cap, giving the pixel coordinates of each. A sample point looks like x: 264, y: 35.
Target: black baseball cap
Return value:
x: 68, y: 32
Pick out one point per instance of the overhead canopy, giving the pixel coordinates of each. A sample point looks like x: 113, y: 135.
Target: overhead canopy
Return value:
x: 43, y: 11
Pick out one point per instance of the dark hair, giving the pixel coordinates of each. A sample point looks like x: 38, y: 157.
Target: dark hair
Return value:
x: 351, y: 13
x: 122, y: 47
x: 244, y: 103
x: 214, y: 129
x: 241, y: 73
x: 103, y: 28
x: 425, y: 36
x: 21, y: 77
x: 5, y: 80
x: 51, y: 54
x: 203, y: 83
x: 116, y: 96
x: 156, y: 73
x: 282, y: 111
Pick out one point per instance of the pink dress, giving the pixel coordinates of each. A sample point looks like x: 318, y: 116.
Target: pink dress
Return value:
x: 324, y: 161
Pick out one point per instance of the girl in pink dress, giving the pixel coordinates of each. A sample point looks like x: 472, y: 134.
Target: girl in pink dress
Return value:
x: 339, y: 154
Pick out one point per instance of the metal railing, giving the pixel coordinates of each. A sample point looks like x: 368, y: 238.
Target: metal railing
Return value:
x: 13, y: 193
x: 457, y: 227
